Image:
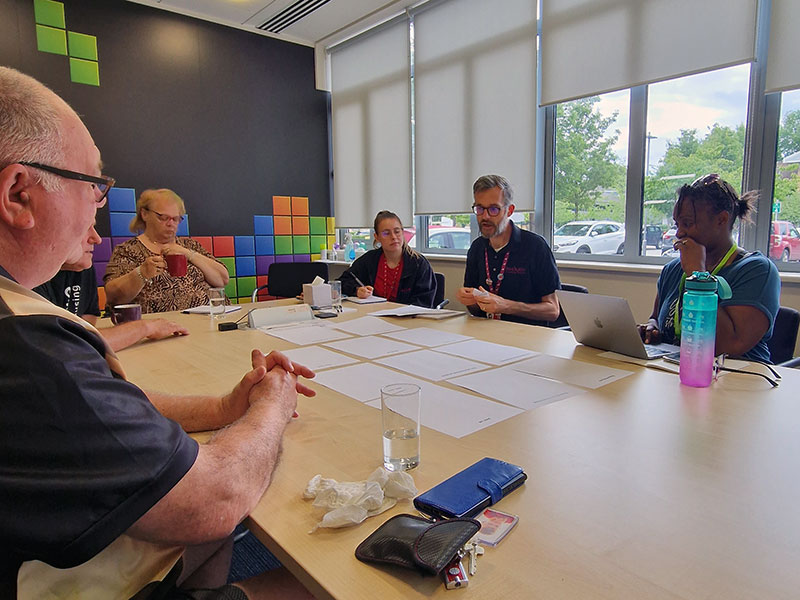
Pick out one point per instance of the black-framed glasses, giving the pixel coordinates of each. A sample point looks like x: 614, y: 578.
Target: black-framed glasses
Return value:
x: 493, y: 210
x: 166, y: 218
x: 101, y: 182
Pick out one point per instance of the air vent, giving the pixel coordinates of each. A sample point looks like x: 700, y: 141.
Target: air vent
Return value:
x: 291, y: 15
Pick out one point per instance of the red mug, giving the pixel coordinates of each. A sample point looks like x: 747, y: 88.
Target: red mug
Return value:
x: 123, y: 313
x: 176, y: 264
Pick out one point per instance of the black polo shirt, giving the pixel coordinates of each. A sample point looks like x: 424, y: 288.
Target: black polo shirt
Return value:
x: 75, y: 291
x: 530, y: 272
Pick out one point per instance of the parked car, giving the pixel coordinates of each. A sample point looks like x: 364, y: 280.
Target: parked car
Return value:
x: 451, y: 238
x: 667, y: 240
x: 651, y: 236
x: 590, y: 237
x: 784, y: 242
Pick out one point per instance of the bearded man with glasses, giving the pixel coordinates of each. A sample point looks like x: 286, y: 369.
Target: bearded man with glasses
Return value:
x: 511, y: 273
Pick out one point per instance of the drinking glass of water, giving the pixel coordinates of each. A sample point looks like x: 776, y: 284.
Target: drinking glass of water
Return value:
x: 336, y: 295
x: 400, y: 416
x: 216, y: 298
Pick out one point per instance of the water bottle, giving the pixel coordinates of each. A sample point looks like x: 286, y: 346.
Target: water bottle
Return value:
x: 349, y: 251
x: 699, y: 327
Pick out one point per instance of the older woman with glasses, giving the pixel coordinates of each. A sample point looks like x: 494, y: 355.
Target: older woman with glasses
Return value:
x: 393, y: 271
x: 137, y: 271
x: 704, y: 216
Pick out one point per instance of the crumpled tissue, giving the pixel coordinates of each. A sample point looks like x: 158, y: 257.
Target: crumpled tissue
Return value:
x: 350, y: 502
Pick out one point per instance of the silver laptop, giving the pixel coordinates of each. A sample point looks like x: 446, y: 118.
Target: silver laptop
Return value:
x: 606, y: 322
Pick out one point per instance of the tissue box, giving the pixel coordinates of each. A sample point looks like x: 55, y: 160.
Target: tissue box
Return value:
x: 317, y: 295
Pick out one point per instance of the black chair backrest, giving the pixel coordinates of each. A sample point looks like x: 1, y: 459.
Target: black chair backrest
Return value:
x: 784, y: 335
x: 439, y: 295
x: 561, y: 321
x: 285, y: 280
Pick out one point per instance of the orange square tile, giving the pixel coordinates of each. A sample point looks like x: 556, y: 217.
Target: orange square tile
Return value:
x: 281, y: 205
x: 299, y: 225
x: 299, y: 205
x: 101, y: 297
x: 223, y: 245
x: 205, y: 242
x: 283, y: 225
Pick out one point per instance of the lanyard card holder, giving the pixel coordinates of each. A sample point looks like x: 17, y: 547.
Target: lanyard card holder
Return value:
x: 468, y: 492
x: 417, y: 543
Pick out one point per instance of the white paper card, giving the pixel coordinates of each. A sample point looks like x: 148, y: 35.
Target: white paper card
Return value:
x: 303, y: 335
x: 317, y: 359
x: 362, y: 382
x: 371, y: 346
x: 427, y: 336
x: 366, y: 326
x: 432, y: 365
x: 488, y: 352
x: 517, y: 388
x: 205, y: 309
x: 571, y: 371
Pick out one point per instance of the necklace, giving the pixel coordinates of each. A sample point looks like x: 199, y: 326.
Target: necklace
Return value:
x: 717, y: 268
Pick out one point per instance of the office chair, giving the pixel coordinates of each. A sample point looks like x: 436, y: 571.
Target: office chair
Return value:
x: 561, y: 321
x: 784, y: 337
x: 285, y: 280
x: 439, y: 295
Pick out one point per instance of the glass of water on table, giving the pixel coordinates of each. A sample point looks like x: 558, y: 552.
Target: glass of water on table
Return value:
x: 217, y: 300
x: 400, y: 418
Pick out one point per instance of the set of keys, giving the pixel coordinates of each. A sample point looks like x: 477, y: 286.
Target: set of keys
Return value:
x: 454, y: 575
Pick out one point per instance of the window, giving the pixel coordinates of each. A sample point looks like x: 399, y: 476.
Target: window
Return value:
x: 784, y: 242
x: 695, y: 125
x: 591, y: 155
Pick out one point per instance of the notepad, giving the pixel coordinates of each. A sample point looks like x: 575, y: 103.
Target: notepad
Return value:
x: 369, y: 300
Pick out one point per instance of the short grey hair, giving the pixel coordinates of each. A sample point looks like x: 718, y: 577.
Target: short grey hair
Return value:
x: 31, y: 122
x: 489, y: 182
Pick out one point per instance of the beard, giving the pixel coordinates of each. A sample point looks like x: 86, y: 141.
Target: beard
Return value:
x: 499, y: 229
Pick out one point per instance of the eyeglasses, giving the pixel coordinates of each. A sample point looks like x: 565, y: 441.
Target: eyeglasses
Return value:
x: 166, y: 218
x: 493, y: 210
x: 706, y: 180
x: 724, y: 186
x: 391, y: 232
x: 102, y: 183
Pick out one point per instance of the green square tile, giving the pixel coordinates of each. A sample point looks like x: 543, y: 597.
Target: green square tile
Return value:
x: 245, y: 286
x: 316, y: 226
x: 51, y: 40
x: 283, y: 244
x: 47, y: 12
x: 82, y: 45
x: 317, y: 242
x: 230, y: 264
x: 84, y: 71
x: 230, y: 289
x: 301, y: 244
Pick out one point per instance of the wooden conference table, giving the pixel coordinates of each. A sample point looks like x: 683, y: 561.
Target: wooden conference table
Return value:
x: 640, y: 489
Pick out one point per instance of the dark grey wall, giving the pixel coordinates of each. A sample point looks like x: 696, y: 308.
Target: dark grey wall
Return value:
x: 224, y: 117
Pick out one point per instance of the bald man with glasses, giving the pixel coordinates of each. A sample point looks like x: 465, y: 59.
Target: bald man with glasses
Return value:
x: 511, y: 273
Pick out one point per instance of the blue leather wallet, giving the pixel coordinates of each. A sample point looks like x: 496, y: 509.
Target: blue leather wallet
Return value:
x: 470, y: 491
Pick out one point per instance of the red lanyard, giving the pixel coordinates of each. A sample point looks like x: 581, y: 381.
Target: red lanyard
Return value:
x: 493, y: 288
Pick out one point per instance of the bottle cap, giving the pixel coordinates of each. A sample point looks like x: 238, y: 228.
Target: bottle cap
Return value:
x: 703, y: 281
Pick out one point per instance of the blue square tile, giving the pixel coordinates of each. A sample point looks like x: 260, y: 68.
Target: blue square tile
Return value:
x: 245, y: 266
x: 183, y: 228
x: 244, y: 245
x: 122, y: 200
x: 120, y: 222
x: 265, y: 245
x: 262, y: 225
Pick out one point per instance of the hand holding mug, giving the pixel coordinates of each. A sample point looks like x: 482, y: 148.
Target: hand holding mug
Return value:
x: 153, y: 265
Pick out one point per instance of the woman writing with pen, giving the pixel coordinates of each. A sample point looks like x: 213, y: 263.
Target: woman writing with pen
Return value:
x: 392, y: 270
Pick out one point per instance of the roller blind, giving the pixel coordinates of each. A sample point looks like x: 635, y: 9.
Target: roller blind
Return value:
x: 475, y: 100
x: 371, y: 127
x: 783, y: 63
x: 594, y: 46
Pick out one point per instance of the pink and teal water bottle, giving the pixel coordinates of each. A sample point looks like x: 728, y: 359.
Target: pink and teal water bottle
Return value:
x: 699, y: 326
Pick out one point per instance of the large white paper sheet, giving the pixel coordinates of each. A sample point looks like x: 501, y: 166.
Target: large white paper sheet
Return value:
x: 317, y: 359
x: 455, y: 413
x: 427, y: 336
x: 305, y: 334
x: 431, y: 365
x: 514, y: 387
x: 205, y: 309
x: 571, y: 371
x: 488, y: 352
x: 417, y: 311
x: 367, y: 326
x: 371, y: 346
x: 362, y: 382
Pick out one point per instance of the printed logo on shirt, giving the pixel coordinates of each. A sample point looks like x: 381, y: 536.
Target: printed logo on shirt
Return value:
x: 516, y: 270
x: 72, y: 295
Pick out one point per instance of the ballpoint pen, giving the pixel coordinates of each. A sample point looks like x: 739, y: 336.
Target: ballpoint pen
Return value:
x: 358, y: 281
x: 442, y: 304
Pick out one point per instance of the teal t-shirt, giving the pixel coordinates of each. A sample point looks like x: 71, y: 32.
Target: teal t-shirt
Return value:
x: 754, y: 281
